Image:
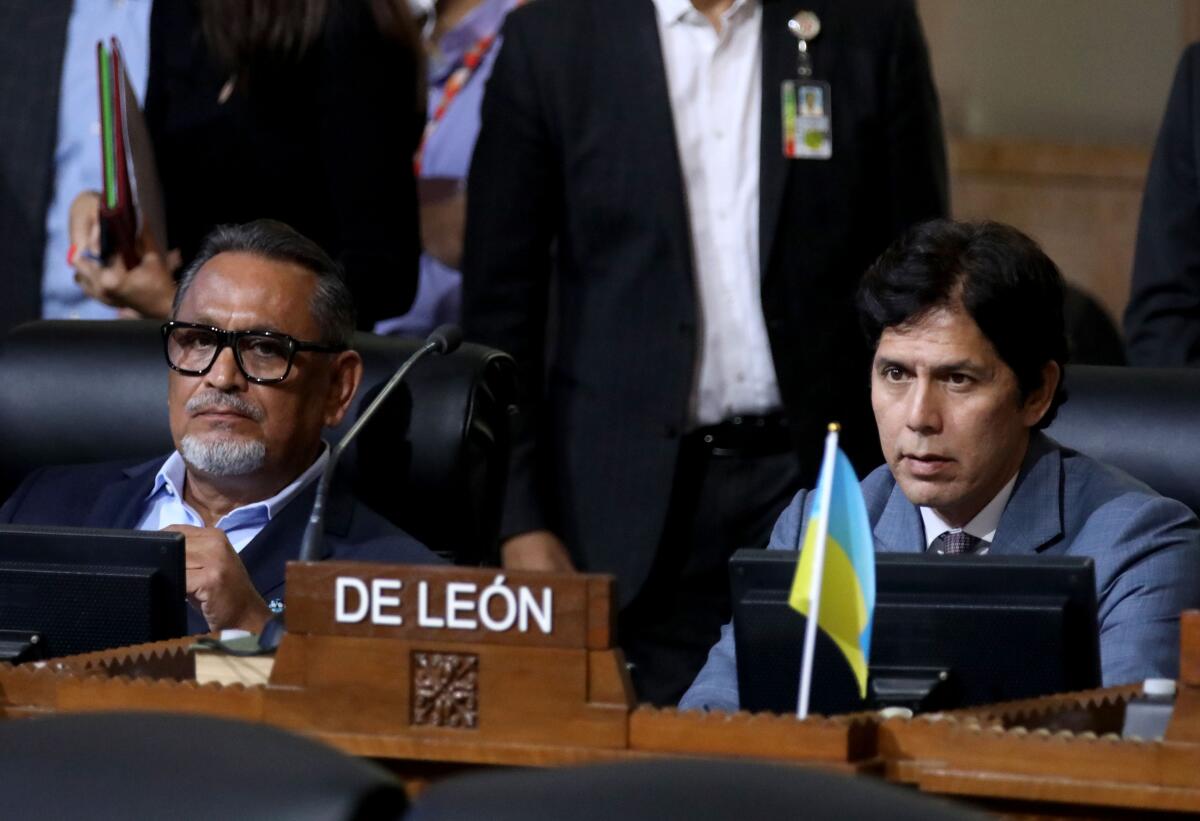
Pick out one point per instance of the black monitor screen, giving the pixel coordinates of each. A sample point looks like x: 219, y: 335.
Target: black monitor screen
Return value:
x: 80, y: 590
x: 947, y: 632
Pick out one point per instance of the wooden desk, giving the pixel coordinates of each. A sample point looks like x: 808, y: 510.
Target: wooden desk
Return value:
x: 429, y: 702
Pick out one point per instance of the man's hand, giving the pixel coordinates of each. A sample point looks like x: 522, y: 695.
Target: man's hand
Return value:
x: 536, y: 550
x: 146, y: 290
x: 217, y: 582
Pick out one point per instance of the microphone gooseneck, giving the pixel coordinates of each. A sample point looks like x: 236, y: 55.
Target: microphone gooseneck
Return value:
x: 445, y: 339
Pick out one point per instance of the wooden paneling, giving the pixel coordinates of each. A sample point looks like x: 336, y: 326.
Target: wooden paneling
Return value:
x: 1080, y: 202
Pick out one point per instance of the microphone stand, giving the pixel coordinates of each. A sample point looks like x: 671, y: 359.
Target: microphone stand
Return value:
x: 445, y: 339
x: 442, y: 341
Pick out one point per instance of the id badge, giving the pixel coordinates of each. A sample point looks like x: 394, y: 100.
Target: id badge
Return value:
x: 807, y: 129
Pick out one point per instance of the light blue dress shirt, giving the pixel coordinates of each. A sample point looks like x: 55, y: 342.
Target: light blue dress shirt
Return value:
x: 165, y: 505
x: 77, y: 150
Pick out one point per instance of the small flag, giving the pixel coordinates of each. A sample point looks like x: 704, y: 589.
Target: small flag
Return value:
x: 835, y: 575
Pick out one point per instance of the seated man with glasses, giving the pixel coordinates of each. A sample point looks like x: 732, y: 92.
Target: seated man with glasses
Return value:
x: 258, y: 349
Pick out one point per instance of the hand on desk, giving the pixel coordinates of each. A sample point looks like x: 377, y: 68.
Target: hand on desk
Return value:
x: 146, y: 290
x: 217, y: 582
x: 536, y: 550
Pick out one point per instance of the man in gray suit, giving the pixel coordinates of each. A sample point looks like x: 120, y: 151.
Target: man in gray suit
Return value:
x: 966, y: 321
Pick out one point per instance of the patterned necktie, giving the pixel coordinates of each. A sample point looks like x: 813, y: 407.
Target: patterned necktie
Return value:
x: 955, y: 542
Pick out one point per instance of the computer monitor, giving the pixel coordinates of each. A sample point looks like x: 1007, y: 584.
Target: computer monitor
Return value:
x: 82, y: 589
x: 948, y: 631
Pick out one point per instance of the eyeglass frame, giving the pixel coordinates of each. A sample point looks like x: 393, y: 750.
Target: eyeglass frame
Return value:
x: 230, y: 339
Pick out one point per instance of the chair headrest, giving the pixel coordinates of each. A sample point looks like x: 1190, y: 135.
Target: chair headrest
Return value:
x: 152, y: 765
x: 1145, y: 421
x: 696, y: 789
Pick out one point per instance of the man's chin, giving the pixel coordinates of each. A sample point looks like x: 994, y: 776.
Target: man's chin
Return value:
x: 925, y: 492
x: 223, y: 455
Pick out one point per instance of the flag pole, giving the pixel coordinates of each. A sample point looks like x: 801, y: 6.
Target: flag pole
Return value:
x: 825, y: 484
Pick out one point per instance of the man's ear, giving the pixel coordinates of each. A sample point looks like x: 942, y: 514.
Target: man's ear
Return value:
x: 344, y: 378
x: 1038, y: 402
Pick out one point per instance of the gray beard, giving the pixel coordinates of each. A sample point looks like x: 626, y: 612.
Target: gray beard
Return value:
x: 223, y: 457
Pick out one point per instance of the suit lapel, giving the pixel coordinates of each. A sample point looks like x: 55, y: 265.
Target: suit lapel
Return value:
x: 121, y: 504
x: 1031, y: 522
x: 1032, y: 519
x: 642, y: 74
x: 899, y: 529
x: 267, y: 554
x: 776, y: 172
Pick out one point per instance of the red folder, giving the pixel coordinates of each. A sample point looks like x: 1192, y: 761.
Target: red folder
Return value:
x: 131, y: 213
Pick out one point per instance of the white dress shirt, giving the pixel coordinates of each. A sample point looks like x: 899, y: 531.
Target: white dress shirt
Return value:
x: 715, y: 85
x: 982, y: 527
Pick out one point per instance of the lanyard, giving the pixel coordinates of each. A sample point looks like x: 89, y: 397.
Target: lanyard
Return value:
x: 454, y: 84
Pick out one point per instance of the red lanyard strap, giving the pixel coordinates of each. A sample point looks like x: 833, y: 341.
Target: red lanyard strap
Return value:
x: 457, y: 80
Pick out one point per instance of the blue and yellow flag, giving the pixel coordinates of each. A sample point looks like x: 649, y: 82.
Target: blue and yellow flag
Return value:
x: 846, y: 598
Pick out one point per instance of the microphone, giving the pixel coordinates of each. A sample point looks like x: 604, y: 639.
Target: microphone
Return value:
x: 444, y: 339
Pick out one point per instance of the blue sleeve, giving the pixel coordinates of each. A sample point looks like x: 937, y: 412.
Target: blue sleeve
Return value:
x: 1147, y: 573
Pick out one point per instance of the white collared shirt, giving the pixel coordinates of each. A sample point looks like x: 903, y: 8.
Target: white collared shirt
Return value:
x: 983, y: 526
x: 165, y: 505
x: 715, y: 86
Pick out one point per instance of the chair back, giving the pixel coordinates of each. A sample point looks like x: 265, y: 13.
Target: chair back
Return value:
x: 655, y: 789
x: 156, y: 765
x: 1145, y: 421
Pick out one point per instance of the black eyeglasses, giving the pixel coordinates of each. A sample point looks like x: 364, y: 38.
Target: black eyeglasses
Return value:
x: 264, y: 357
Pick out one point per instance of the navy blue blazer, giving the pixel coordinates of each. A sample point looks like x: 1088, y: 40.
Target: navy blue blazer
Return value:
x: 113, y: 495
x: 1146, y: 550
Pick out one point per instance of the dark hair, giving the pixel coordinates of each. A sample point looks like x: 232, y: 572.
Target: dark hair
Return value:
x: 1001, y: 278
x: 332, y: 305
x: 263, y: 37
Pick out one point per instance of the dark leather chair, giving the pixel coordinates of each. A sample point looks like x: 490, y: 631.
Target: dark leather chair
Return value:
x: 434, y: 461
x: 148, y: 765
x: 1145, y: 421
x: 695, y: 789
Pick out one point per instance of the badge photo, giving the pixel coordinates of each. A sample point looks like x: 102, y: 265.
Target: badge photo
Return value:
x: 807, y: 129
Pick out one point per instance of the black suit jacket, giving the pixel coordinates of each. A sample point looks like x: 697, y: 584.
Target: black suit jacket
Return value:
x: 577, y: 162
x: 113, y: 495
x: 324, y: 145
x: 33, y: 34
x: 1162, y: 319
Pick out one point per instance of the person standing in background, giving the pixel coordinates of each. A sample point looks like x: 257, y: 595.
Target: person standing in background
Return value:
x: 1162, y: 319
x: 49, y: 141
x: 670, y: 254
x: 305, y: 112
x: 461, y: 40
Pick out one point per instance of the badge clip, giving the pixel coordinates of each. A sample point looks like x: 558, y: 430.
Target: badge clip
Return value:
x: 804, y: 26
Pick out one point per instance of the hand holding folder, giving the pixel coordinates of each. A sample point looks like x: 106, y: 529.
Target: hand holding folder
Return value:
x: 118, y: 234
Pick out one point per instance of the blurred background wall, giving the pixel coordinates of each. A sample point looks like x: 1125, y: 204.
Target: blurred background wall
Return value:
x: 1051, y: 108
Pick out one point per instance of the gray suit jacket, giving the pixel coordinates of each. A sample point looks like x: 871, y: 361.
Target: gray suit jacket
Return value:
x: 1146, y: 550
